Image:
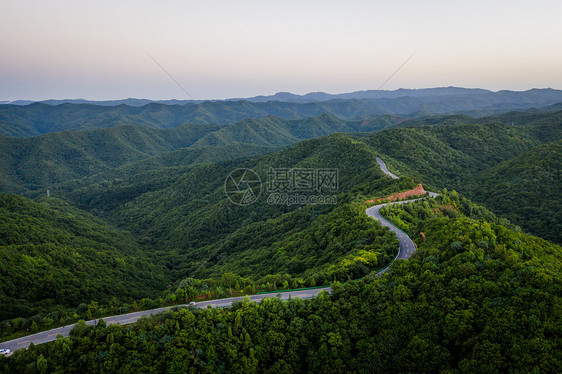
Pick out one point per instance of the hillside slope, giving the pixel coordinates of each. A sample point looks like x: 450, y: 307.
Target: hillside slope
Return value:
x: 31, y: 163
x: 189, y: 216
x: 184, y: 211
x: 179, y: 209
x: 56, y: 256
x: 273, y: 131
x: 476, y: 297
x: 448, y: 155
x: 526, y: 190
x: 42, y: 161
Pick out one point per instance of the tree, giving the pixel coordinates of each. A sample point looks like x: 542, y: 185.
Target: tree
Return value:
x: 42, y: 365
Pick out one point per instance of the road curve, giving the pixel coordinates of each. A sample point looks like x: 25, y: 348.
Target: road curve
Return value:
x: 406, y: 249
x: 406, y: 245
x: 385, y: 169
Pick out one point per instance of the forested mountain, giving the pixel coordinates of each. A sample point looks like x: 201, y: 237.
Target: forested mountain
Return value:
x: 512, y: 169
x: 526, y: 190
x: 183, y: 209
x: 189, y: 210
x: 39, y: 118
x: 55, y: 256
x: 273, y: 131
x: 477, y: 297
x: 38, y: 162
x: 447, y: 155
x: 188, y: 216
x: 180, y: 210
x: 185, y: 213
x: 138, y: 212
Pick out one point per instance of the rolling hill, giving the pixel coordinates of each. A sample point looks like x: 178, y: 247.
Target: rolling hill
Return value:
x: 190, y: 211
x: 32, y: 163
x: 525, y: 189
x: 185, y: 213
x: 55, y: 256
x: 39, y: 162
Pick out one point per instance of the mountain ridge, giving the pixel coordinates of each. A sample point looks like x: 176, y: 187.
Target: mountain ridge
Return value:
x: 39, y: 118
x: 315, y: 96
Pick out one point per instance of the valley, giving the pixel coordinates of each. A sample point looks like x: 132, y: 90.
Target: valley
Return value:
x: 406, y: 248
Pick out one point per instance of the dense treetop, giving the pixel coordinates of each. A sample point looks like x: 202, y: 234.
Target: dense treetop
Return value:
x: 476, y: 297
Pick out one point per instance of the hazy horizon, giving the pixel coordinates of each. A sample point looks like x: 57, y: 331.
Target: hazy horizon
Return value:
x: 217, y: 49
x: 266, y: 94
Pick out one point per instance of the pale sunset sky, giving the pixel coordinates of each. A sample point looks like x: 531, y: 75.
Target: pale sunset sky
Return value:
x: 216, y: 49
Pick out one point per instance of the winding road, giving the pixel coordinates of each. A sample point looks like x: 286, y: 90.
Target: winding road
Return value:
x: 406, y: 246
x: 406, y: 249
x: 385, y: 169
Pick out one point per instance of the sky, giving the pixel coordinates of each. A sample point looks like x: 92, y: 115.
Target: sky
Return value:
x: 214, y: 49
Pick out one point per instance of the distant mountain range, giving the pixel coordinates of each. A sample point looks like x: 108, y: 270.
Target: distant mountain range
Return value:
x: 315, y: 97
x: 129, y: 102
x: 44, y: 117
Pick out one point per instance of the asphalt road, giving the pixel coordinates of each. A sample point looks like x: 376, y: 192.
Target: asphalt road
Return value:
x: 384, y: 169
x: 406, y: 246
x: 125, y: 319
x: 406, y: 249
